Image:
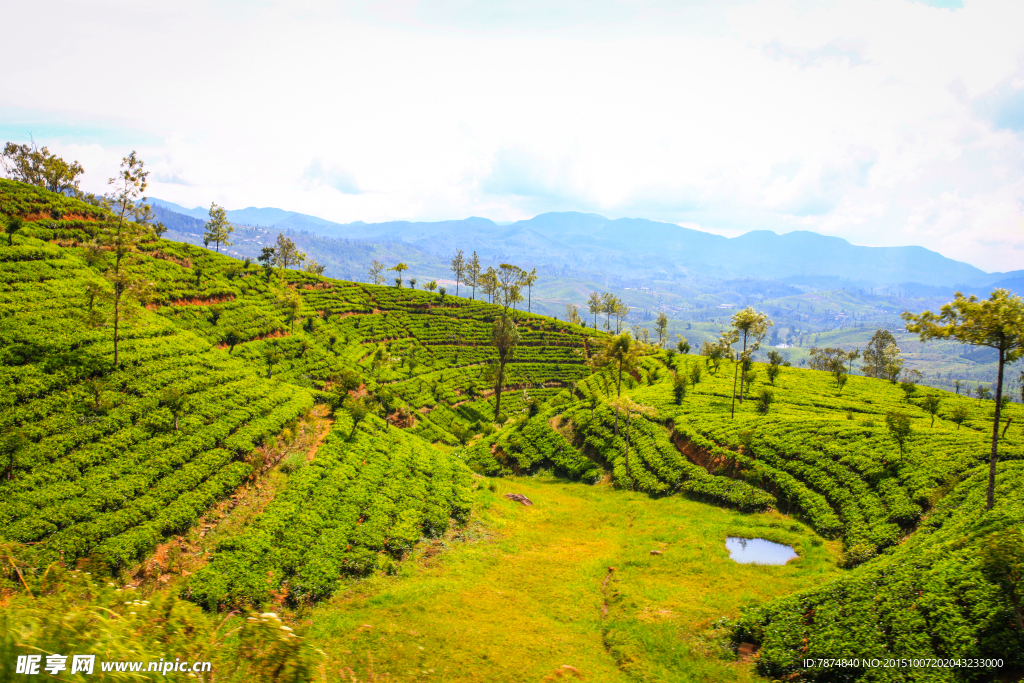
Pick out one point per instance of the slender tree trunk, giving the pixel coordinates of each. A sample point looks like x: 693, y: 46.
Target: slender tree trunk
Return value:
x: 529, y: 299
x: 497, y: 387
x: 175, y: 422
x: 628, y: 475
x: 618, y: 393
x: 742, y: 371
x: 735, y: 374
x: 995, y: 434
x: 117, y: 322
x: 456, y: 286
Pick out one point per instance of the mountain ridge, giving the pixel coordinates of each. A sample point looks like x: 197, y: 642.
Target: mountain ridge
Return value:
x: 624, y: 245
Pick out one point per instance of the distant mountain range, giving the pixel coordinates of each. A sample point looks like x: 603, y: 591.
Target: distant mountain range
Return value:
x: 652, y: 250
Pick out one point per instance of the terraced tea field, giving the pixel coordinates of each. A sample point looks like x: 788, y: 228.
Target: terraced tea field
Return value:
x: 396, y: 518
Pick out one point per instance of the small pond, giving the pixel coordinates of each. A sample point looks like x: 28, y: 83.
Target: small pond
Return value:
x: 758, y: 551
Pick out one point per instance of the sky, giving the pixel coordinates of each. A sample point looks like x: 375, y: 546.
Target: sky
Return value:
x: 888, y: 122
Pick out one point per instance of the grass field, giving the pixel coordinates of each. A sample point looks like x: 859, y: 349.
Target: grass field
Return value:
x: 523, y: 593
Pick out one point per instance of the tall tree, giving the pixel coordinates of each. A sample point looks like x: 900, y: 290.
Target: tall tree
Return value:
x: 620, y: 353
x: 630, y: 407
x: 572, y: 314
x: 399, y: 268
x: 620, y: 310
x: 775, y: 363
x: 376, y: 267
x: 122, y: 237
x: 595, y: 305
x: 505, y: 337
x: 661, y: 328
x: 473, y: 273
x: 508, y: 277
x: 286, y: 253
x: 35, y: 166
x: 268, y: 257
x: 489, y: 283
x: 998, y: 323
x: 528, y: 280
x: 877, y: 360
x: 609, y: 304
x: 750, y: 327
x: 458, y: 266
x: 851, y: 356
x: 314, y: 268
x: 218, y: 228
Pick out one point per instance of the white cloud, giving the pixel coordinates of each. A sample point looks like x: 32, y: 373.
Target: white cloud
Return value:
x: 883, y: 122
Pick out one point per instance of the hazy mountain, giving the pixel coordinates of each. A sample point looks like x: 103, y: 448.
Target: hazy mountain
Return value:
x: 268, y: 217
x: 646, y: 249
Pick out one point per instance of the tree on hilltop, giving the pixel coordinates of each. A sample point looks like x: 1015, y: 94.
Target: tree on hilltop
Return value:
x: 218, y: 228
x: 488, y: 282
x: 458, y: 265
x: 34, y: 166
x: 528, y: 280
x: 508, y: 277
x: 376, y: 268
x: 595, y: 306
x: 314, y: 268
x: 268, y: 257
x: 998, y: 323
x: 472, y: 274
x: 399, y: 268
x: 286, y: 253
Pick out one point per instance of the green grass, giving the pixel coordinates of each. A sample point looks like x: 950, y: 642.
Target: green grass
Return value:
x: 519, y: 592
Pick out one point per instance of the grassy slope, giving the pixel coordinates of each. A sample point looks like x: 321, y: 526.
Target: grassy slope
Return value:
x: 520, y: 592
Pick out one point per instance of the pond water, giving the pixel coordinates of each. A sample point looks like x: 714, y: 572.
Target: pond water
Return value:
x: 758, y: 551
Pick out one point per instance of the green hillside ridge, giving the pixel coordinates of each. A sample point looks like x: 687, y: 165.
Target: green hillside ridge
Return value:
x: 805, y: 312
x: 221, y: 357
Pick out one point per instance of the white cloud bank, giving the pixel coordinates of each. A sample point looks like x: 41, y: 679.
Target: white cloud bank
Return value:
x: 885, y: 123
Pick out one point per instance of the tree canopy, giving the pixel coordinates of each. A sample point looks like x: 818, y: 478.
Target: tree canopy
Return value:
x: 37, y: 166
x: 996, y: 322
x: 218, y: 228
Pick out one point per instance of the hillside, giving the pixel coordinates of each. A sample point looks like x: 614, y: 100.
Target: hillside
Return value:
x: 328, y: 450
x: 808, y: 310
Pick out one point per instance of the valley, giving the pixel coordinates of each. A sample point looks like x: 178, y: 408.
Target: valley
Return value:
x: 299, y: 477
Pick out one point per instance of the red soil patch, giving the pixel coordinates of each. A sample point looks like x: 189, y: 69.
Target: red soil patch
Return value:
x: 66, y: 217
x: 259, y: 337
x: 714, y: 464
x: 195, y: 301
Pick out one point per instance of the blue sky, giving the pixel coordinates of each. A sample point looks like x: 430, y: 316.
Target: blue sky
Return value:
x: 884, y: 122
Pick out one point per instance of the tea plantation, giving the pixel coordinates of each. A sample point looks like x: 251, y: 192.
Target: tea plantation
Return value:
x: 104, y: 462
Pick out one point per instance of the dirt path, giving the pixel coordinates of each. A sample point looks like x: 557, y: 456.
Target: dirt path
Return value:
x: 184, y: 554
